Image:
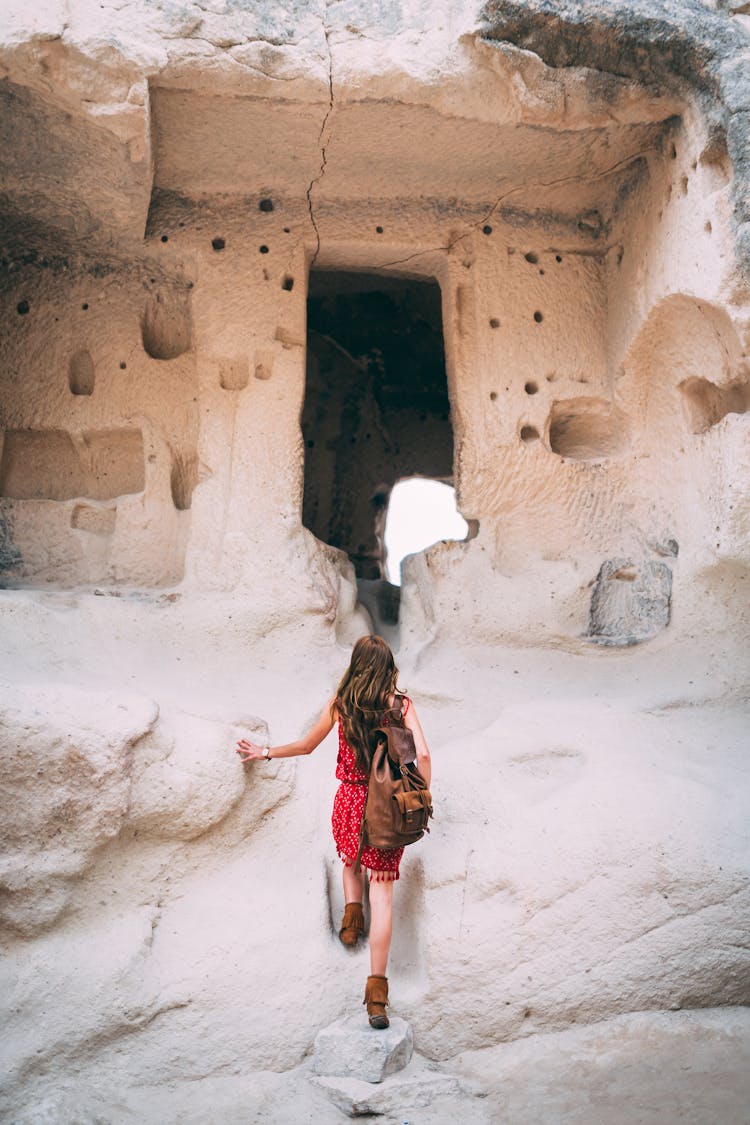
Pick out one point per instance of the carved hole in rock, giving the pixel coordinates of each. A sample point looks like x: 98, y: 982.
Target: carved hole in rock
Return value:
x: 166, y: 326
x: 234, y: 374
x: 183, y: 479
x: 532, y: 257
x: 529, y: 434
x: 538, y: 317
x: 288, y: 284
x: 494, y: 322
x: 218, y: 244
x: 57, y: 465
x: 531, y: 387
x: 22, y: 307
x: 265, y: 205
x: 420, y: 512
x: 584, y: 429
x: 96, y: 521
x: 706, y: 403
x: 81, y: 374
x: 376, y: 405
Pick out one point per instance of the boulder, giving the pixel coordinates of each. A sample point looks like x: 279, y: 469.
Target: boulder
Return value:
x: 350, y: 1048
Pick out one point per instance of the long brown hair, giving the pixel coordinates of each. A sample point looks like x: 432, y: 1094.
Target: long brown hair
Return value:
x: 365, y: 693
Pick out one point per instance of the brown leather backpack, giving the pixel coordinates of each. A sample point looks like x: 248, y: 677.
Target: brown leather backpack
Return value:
x: 399, y: 803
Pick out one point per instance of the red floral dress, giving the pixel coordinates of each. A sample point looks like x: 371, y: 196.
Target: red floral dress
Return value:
x: 348, y: 810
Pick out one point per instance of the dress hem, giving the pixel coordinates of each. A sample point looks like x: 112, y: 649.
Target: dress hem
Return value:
x: 375, y: 876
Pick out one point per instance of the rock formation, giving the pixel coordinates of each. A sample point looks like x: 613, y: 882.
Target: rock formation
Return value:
x: 258, y: 264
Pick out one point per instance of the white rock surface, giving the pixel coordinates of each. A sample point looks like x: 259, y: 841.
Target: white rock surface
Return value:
x: 66, y: 771
x: 350, y: 1048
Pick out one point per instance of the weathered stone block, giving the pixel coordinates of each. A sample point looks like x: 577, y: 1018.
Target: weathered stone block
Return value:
x: 631, y: 601
x: 350, y: 1048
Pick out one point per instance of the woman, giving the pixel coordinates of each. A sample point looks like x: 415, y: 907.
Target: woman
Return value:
x: 363, y: 698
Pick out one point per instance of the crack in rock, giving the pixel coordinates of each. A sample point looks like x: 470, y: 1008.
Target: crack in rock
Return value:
x: 324, y: 141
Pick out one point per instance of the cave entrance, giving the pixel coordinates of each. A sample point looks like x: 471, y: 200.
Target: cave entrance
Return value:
x: 376, y: 409
x: 420, y: 512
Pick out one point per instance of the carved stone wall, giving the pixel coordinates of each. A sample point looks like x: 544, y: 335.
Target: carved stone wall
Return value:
x: 205, y: 210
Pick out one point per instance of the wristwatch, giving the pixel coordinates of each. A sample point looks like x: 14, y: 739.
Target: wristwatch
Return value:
x: 265, y: 752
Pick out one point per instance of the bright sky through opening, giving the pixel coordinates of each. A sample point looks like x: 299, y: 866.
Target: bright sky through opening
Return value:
x: 420, y: 513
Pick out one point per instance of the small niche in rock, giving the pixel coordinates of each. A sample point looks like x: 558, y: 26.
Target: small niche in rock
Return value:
x: 50, y: 465
x: 265, y: 205
x: 183, y: 479
x: 532, y: 257
x: 538, y: 317
x: 529, y: 434
x: 96, y: 521
x: 684, y: 184
x: 85, y: 305
x: 531, y: 388
x: 287, y: 230
x: 218, y: 244
x: 165, y: 238
x: 493, y: 396
x: 378, y: 230
x: 558, y: 257
x: 288, y: 284
x: 487, y: 229
x: 707, y: 227
x: 706, y: 403
x: 23, y: 307
x: 81, y: 374
x: 166, y: 326
x: 234, y: 373
x: 123, y: 365
x: 494, y: 322
x: 263, y: 249
x: 586, y: 429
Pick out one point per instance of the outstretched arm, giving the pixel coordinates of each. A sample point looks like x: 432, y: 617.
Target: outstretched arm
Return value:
x: 424, y: 761
x: 249, y: 751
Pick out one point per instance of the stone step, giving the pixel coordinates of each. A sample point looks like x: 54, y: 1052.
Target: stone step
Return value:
x: 350, y: 1048
x: 417, y: 1086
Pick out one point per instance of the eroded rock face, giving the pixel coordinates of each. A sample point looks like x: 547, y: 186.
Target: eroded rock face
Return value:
x: 79, y: 767
x: 67, y: 761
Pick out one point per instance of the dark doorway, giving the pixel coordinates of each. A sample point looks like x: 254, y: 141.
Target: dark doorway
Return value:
x: 376, y: 405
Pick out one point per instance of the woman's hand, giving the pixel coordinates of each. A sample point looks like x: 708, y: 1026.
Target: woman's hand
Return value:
x: 248, y: 751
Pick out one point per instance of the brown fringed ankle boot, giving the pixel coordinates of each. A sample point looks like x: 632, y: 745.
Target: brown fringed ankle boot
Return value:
x: 376, y: 998
x: 352, y: 924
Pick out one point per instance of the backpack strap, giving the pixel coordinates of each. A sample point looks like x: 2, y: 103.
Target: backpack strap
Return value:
x: 360, y: 849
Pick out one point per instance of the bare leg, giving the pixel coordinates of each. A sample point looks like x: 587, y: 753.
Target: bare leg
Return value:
x: 381, y: 925
x: 354, y: 885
